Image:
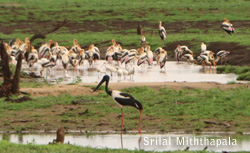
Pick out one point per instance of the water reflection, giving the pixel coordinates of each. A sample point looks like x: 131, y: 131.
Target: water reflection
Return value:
x: 178, y: 72
x: 146, y: 142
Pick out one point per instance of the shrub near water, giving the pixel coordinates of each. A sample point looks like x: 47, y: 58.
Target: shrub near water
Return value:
x: 243, y: 72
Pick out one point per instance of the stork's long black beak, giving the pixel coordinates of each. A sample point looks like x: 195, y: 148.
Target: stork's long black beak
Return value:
x: 100, y: 83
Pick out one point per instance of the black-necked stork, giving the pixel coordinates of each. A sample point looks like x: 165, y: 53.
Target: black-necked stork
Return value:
x: 227, y: 26
x: 162, y: 33
x: 203, y: 47
x: 222, y: 55
x: 122, y: 99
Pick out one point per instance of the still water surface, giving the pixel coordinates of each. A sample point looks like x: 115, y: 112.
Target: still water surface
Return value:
x: 149, y: 142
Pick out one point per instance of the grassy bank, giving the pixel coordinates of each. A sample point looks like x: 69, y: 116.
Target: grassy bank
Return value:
x: 101, y: 21
x: 165, y: 110
x: 242, y: 71
x: 7, y: 147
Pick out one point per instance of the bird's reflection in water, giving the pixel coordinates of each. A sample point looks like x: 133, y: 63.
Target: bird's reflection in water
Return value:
x: 139, y: 142
x: 208, y: 70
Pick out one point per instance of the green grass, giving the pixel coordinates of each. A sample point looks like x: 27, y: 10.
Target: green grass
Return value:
x: 242, y: 71
x: 7, y: 147
x: 168, y: 110
x: 29, y: 12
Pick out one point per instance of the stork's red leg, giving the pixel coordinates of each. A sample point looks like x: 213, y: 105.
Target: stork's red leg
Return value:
x: 139, y: 126
x: 122, y: 128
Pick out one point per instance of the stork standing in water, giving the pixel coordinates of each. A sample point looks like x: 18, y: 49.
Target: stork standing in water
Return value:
x: 162, y: 33
x: 44, y: 49
x: 222, y: 55
x: 204, y: 60
x: 122, y: 99
x: 227, y: 26
x: 163, y: 58
x: 178, y: 53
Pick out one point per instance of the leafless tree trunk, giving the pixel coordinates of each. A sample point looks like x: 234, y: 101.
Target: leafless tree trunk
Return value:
x: 5, y: 65
x: 139, y: 29
x: 9, y: 86
x: 16, y: 78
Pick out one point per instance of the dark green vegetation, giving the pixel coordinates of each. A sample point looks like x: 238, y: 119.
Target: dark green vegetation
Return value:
x: 243, y: 71
x: 165, y: 110
x: 7, y: 147
x: 188, y: 22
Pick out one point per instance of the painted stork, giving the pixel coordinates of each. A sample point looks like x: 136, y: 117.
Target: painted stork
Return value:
x: 157, y: 52
x: 222, y: 55
x: 210, y: 56
x: 227, y: 26
x: 189, y: 58
x: 204, y: 60
x: 122, y: 99
x: 76, y: 47
x: 186, y: 49
x: 178, y: 53
x: 45, y: 63
x: 143, y: 40
x: 44, y: 49
x: 33, y: 57
x: 203, y: 47
x: 163, y: 58
x: 142, y: 58
x: 92, y: 55
x: 82, y: 56
x: 150, y: 55
x: 162, y: 33
x: 65, y: 62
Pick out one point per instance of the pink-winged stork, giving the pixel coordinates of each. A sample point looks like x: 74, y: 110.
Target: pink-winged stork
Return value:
x: 122, y: 99
x: 162, y: 32
x: 227, y: 26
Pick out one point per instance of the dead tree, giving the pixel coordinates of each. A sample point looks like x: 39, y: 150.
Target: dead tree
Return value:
x: 139, y: 29
x: 9, y: 86
x: 43, y: 35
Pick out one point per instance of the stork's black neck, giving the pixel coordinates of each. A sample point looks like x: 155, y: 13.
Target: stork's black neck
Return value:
x: 107, y: 88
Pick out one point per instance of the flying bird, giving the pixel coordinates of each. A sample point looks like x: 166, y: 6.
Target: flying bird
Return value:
x: 227, y: 26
